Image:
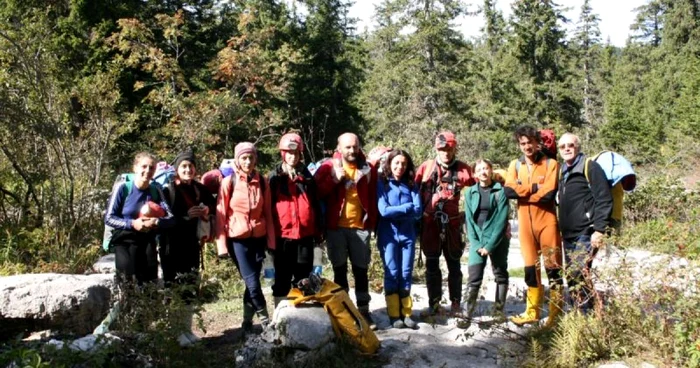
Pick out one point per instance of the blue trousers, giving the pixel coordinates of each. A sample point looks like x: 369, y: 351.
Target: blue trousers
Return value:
x: 248, y: 255
x: 397, y: 257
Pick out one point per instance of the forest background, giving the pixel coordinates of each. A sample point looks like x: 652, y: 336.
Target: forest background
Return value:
x: 84, y: 85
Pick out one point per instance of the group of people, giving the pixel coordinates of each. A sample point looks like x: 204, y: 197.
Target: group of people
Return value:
x: 289, y: 212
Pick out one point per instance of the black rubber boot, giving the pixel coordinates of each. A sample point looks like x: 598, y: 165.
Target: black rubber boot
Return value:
x: 472, y: 296
x: 500, y: 301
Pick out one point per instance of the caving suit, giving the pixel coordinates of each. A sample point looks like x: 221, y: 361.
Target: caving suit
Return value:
x: 534, y: 186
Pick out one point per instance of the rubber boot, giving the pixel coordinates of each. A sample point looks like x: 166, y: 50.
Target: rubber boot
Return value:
x: 263, y: 317
x: 532, y: 309
x: 393, y: 310
x: 556, y: 306
x: 472, y: 296
x: 500, y: 300
x: 407, y: 311
x: 248, y: 314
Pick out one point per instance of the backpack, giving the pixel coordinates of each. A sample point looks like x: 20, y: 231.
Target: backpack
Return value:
x: 165, y: 174
x: 128, y: 185
x: 344, y: 316
x: 621, y: 178
x: 549, y: 143
x: 313, y: 166
x: 212, y: 179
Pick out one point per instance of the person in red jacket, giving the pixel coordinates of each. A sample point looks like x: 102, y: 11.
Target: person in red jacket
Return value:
x: 441, y: 181
x: 295, y: 209
x: 348, y: 186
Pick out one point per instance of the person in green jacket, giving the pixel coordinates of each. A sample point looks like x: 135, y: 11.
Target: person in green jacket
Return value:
x: 487, y: 223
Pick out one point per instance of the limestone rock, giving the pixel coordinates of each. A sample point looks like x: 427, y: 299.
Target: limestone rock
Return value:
x: 65, y: 303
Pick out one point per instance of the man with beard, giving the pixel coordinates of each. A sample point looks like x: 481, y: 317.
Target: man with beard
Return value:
x: 347, y: 184
x: 441, y: 180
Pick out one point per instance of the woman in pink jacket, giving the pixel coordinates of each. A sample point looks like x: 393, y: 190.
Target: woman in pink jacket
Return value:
x: 244, y: 228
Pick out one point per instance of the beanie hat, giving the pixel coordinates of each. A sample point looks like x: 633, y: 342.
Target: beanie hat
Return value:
x: 445, y: 139
x: 243, y: 148
x: 186, y: 155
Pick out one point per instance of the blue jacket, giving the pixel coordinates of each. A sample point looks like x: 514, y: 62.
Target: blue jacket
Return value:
x: 399, y: 209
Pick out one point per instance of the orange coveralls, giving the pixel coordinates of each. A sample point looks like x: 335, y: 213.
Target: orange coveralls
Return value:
x: 535, y: 189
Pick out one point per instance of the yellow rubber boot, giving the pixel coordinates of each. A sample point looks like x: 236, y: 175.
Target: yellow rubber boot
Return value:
x: 393, y: 309
x: 407, y: 311
x: 556, y: 306
x: 532, y: 309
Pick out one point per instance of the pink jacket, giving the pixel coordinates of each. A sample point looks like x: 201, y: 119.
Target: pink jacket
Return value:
x: 244, y: 211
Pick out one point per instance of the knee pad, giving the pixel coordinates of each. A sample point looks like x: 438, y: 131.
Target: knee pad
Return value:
x: 531, y: 278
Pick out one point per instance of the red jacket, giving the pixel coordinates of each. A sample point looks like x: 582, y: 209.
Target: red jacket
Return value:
x: 333, y: 193
x: 295, y: 204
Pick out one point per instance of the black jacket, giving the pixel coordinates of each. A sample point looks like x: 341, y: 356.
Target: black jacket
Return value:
x: 583, y: 207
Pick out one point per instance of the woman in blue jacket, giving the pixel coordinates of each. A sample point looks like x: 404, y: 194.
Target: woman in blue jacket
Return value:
x: 399, y: 208
x: 487, y: 220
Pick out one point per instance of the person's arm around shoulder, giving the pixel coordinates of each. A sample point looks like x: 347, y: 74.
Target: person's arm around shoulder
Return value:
x: 514, y: 189
x: 466, y: 176
x: 547, y: 191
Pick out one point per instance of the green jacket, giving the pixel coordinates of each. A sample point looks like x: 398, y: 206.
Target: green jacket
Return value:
x: 494, y: 231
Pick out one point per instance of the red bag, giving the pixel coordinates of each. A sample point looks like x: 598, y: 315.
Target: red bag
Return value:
x: 549, y: 143
x: 152, y: 209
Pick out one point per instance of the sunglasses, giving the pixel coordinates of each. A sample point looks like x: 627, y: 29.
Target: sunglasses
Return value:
x: 567, y: 145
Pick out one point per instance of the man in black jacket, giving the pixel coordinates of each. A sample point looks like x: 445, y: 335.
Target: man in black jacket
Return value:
x: 585, y: 206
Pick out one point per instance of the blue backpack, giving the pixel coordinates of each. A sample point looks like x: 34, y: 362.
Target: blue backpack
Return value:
x: 128, y: 181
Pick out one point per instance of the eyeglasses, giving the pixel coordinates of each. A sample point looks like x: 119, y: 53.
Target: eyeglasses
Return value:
x: 567, y: 145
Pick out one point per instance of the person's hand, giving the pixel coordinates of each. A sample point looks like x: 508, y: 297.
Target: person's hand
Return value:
x: 338, y: 171
x: 137, y: 224
x: 482, y: 252
x: 597, y: 239
x: 205, y: 212
x: 194, y: 212
x: 149, y: 222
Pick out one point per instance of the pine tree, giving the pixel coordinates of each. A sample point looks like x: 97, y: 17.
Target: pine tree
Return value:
x: 418, y: 65
x: 538, y: 44
x: 327, y: 79
x: 586, y: 44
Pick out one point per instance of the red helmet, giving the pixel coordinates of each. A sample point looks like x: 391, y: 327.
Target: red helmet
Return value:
x: 291, y: 142
x: 377, y: 153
